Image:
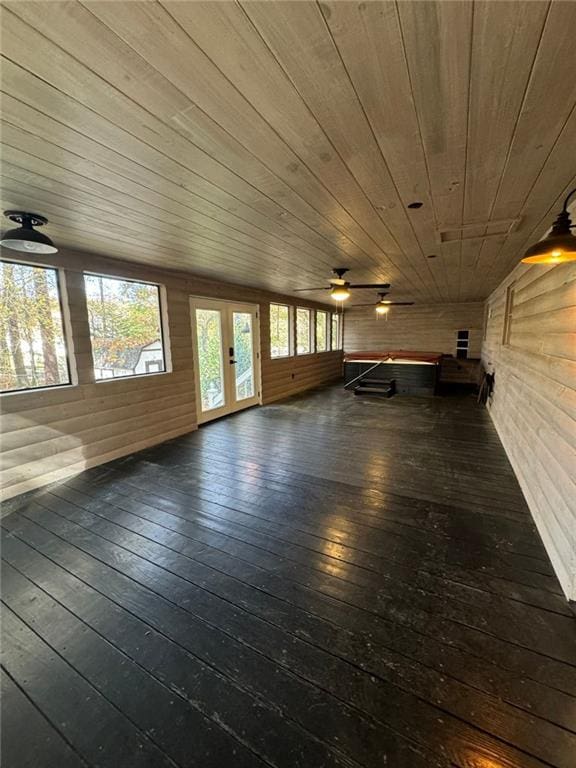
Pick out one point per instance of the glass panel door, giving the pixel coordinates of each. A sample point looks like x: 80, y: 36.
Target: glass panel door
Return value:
x: 226, y: 357
x: 243, y: 355
x: 209, y: 357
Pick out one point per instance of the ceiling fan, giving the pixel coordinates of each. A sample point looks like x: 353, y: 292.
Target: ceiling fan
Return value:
x: 383, y: 305
x: 340, y: 288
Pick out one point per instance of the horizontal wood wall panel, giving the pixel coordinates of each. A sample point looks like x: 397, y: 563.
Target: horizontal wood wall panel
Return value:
x: 534, y: 401
x: 426, y: 328
x: 52, y: 433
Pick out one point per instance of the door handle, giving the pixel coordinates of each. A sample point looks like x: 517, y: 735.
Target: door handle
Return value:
x: 232, y: 362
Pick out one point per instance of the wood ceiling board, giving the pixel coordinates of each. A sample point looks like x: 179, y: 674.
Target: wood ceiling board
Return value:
x: 113, y: 205
x: 297, y: 151
x: 115, y: 110
x: 70, y: 174
x: 108, y: 51
x: 503, y: 54
x: 369, y: 40
x: 303, y: 46
x: 437, y: 41
x: 170, y: 173
x: 156, y: 36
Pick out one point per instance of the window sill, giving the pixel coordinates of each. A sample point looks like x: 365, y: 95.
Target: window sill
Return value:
x: 38, y: 390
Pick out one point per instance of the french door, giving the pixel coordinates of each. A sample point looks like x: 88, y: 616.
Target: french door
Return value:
x: 226, y: 356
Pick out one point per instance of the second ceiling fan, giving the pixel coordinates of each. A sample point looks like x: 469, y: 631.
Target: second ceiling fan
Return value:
x: 383, y: 305
x: 340, y: 288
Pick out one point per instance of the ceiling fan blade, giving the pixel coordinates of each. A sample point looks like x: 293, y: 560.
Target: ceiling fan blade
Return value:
x: 323, y: 288
x: 399, y: 303
x: 376, y: 286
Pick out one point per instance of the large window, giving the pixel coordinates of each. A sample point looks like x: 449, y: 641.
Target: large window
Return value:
x: 279, y: 330
x: 336, y: 332
x: 32, y: 346
x: 303, y: 331
x: 125, y: 327
x: 321, y: 331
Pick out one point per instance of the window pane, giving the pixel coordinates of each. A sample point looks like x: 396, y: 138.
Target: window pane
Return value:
x: 279, y: 330
x: 335, y: 331
x: 125, y: 327
x: 210, y: 364
x: 321, y: 318
x: 32, y: 346
x: 244, y: 355
x: 302, y: 331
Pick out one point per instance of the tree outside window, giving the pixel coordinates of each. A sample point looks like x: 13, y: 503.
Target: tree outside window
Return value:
x: 279, y: 330
x: 303, y: 331
x: 125, y: 327
x: 32, y: 346
x: 321, y: 331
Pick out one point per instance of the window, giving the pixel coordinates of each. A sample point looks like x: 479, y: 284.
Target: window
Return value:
x: 507, y: 329
x: 462, y: 341
x: 321, y: 331
x: 336, y: 340
x: 33, y: 350
x: 303, y: 345
x: 125, y: 327
x: 280, y: 330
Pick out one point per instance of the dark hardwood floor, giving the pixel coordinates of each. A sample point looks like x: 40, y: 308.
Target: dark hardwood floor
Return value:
x: 324, y: 582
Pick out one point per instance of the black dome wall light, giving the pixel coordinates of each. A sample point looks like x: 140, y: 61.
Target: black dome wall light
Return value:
x: 557, y: 247
x: 25, y: 238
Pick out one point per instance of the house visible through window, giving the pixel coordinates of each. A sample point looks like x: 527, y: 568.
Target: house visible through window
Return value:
x: 125, y: 327
x: 33, y: 350
x: 303, y: 331
x: 279, y: 330
x: 321, y: 331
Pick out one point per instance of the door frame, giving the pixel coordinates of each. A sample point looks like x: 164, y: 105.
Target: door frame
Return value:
x: 226, y: 308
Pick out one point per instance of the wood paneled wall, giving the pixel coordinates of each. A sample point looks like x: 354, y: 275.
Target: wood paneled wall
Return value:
x: 51, y: 433
x: 534, y: 401
x: 426, y: 328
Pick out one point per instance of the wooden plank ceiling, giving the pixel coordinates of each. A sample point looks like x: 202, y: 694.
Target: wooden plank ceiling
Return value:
x: 266, y: 143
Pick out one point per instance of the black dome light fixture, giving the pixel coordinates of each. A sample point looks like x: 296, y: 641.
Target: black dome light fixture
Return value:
x: 557, y: 247
x: 25, y: 238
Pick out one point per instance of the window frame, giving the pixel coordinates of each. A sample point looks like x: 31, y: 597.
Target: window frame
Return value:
x: 327, y: 331
x: 163, y: 319
x: 310, y: 350
x: 508, y: 314
x: 291, y: 344
x: 66, y: 330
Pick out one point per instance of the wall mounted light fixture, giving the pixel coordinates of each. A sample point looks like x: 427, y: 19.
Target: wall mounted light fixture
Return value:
x: 557, y: 247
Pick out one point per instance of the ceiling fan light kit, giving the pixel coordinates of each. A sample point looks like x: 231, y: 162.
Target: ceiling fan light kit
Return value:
x: 25, y: 238
x: 340, y: 288
x: 559, y: 246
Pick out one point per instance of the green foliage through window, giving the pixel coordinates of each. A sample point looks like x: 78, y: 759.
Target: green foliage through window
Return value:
x: 32, y: 346
x: 125, y: 327
x: 303, y: 346
x: 279, y: 330
x: 321, y: 328
x: 336, y: 340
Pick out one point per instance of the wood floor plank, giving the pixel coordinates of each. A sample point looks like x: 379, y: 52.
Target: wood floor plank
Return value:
x: 43, y: 743
x: 289, y: 595
x: 374, y: 697
x: 183, y: 537
x: 249, y: 671
x: 98, y: 731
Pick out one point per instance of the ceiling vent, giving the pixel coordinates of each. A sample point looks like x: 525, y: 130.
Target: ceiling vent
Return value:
x: 477, y: 231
